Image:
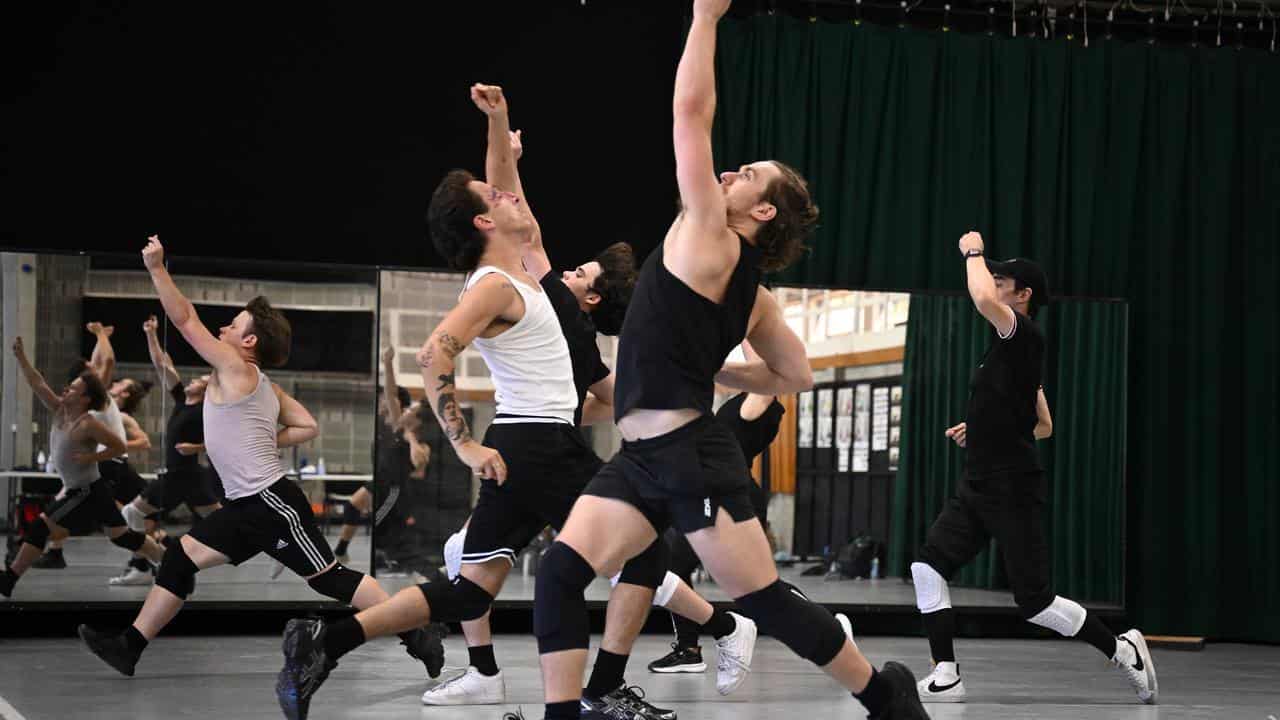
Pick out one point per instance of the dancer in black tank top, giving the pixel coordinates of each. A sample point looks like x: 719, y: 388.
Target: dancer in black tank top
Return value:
x: 699, y: 296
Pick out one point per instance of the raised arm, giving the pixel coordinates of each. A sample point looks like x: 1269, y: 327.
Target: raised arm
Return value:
x: 160, y: 359
x: 982, y: 287
x: 103, y: 359
x: 1044, y: 421
x: 183, y: 314
x: 136, y: 439
x: 44, y: 394
x: 299, y: 426
x: 693, y: 112
x: 783, y: 364
x: 489, y: 299
x: 391, y: 409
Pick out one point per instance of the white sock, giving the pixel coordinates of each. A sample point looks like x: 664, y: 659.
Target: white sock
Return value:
x: 949, y: 670
x: 1125, y: 654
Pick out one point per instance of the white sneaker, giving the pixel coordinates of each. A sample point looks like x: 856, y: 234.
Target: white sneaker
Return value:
x: 736, y: 650
x: 469, y: 688
x: 134, y: 518
x: 943, y: 685
x: 847, y: 626
x: 1134, y: 660
x: 132, y: 576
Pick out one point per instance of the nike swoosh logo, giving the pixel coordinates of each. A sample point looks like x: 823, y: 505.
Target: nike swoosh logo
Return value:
x: 1137, y: 665
x: 934, y: 688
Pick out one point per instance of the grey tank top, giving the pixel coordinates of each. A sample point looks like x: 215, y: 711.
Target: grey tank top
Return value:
x: 75, y: 475
x: 240, y: 440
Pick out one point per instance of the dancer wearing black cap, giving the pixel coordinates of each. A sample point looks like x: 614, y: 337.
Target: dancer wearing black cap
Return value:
x: 1003, y: 491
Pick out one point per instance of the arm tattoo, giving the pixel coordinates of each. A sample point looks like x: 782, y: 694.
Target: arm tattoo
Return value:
x: 455, y: 425
x: 446, y: 380
x: 449, y: 344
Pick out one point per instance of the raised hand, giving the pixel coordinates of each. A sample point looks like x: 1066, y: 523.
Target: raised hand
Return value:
x: 971, y: 240
x: 489, y: 99
x: 151, y: 325
x: 517, y: 147
x: 18, y: 349
x: 153, y: 253
x: 710, y: 9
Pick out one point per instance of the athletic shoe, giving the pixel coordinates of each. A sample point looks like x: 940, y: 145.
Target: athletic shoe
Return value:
x: 904, y: 701
x: 134, y: 518
x: 943, y: 685
x: 305, y: 667
x: 736, y: 650
x: 110, y: 648
x: 277, y: 567
x: 469, y: 688
x: 624, y: 703
x: 1134, y: 660
x: 52, y: 560
x: 7, y: 581
x: 132, y: 576
x: 426, y: 644
x: 679, y: 660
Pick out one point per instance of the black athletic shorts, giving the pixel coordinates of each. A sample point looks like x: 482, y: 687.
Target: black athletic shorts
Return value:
x: 125, y: 482
x: 276, y: 521
x: 180, y: 485
x: 1009, y: 507
x: 548, y: 466
x: 90, y: 506
x: 682, y: 478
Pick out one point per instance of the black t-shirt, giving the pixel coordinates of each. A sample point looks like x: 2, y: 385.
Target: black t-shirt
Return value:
x: 753, y: 435
x: 186, y: 425
x: 1001, y: 419
x: 392, y: 462
x: 580, y: 334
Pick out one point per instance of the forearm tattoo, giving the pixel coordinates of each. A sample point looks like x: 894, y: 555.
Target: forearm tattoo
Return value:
x: 455, y: 425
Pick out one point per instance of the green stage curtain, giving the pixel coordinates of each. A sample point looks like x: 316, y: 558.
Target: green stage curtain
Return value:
x: 1141, y: 172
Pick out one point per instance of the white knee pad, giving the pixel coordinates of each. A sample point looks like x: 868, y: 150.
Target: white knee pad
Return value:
x: 134, y: 518
x: 1063, y: 616
x: 932, y: 592
x: 663, y: 594
x: 453, y: 553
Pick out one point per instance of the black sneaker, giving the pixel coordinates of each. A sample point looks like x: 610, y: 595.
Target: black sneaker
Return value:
x: 426, y: 644
x: 680, y: 660
x: 305, y: 667
x: 110, y: 648
x: 52, y: 560
x: 7, y: 581
x: 625, y: 703
x: 904, y: 702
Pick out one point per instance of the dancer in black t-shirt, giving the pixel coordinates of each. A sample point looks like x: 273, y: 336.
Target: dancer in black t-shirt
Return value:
x: 1003, y: 492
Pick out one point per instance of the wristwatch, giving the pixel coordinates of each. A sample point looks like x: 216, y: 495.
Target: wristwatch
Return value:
x: 972, y: 253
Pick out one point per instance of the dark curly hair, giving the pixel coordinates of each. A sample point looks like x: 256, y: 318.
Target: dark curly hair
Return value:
x: 273, y: 331
x: 614, y: 285
x: 138, y: 390
x: 782, y: 239
x: 451, y: 221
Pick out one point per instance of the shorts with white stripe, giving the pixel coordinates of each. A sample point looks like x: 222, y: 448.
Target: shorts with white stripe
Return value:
x: 276, y: 521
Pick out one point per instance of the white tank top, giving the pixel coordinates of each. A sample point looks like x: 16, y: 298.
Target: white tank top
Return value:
x: 529, y: 361
x: 240, y: 440
x: 74, y: 475
x: 112, y: 418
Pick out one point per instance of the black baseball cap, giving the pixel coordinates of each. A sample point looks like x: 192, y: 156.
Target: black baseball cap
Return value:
x: 1026, y: 272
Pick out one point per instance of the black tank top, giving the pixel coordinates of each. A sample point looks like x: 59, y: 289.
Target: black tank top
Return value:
x: 753, y: 435
x: 674, y: 340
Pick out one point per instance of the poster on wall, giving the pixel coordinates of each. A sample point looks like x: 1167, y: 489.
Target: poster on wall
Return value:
x: 804, y: 429
x: 880, y: 419
x: 862, y: 428
x: 844, y: 428
x: 895, y: 426
x: 825, y: 398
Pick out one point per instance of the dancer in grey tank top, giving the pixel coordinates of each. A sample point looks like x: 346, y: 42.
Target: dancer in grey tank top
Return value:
x: 74, y: 440
x: 247, y: 419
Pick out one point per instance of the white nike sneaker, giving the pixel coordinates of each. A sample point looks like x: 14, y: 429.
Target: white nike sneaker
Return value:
x: 469, y: 688
x: 847, y: 626
x: 1134, y: 660
x: 736, y: 650
x: 943, y: 685
x: 132, y: 576
x: 134, y: 518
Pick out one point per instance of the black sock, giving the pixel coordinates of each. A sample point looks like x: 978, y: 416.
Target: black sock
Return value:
x: 1098, y: 635
x: 342, y: 637
x: 876, y: 695
x: 607, y: 674
x: 940, y: 626
x: 342, y: 547
x: 720, y: 624
x: 482, y: 659
x: 134, y: 640
x: 567, y: 710
x: 57, y: 552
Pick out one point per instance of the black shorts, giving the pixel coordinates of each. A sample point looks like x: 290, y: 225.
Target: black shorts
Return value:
x: 276, y: 521
x: 548, y: 466
x: 1009, y: 507
x: 90, y: 506
x: 180, y: 485
x: 682, y: 478
x: 125, y: 482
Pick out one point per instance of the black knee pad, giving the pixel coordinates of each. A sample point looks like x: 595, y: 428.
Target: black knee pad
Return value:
x: 36, y: 532
x: 647, y: 569
x: 338, y: 582
x: 808, y: 629
x: 130, y: 540
x: 350, y: 515
x: 177, y: 573
x: 457, y: 601
x: 560, y: 619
